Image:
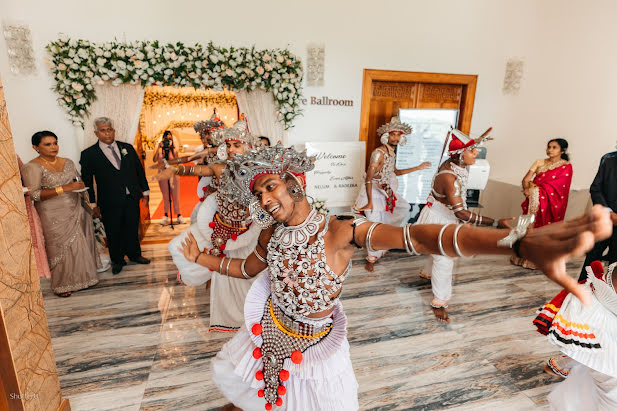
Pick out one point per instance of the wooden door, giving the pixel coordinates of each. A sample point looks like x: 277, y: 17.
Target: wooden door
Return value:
x: 385, y: 92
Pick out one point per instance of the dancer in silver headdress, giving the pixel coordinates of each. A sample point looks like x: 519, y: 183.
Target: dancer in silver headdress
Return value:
x: 292, y: 351
x: 222, y: 227
x: 378, y: 200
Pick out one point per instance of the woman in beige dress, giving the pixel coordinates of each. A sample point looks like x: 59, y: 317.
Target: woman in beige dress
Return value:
x: 67, y: 224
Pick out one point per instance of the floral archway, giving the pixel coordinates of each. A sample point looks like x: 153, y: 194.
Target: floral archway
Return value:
x: 81, y: 69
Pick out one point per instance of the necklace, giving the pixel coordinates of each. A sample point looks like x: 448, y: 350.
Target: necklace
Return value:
x: 298, y: 235
x: 51, y: 163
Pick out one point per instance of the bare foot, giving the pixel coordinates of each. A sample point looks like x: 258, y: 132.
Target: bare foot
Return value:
x: 67, y: 294
x: 230, y: 407
x: 424, y: 276
x: 370, y: 267
x: 441, y: 314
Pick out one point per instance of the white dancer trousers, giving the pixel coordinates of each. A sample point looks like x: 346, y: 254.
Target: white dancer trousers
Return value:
x: 439, y: 266
x: 584, y: 389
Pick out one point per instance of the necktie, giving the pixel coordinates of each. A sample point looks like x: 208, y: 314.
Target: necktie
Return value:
x: 116, y: 158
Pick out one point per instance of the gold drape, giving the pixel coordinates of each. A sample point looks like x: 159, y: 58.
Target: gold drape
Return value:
x: 166, y: 108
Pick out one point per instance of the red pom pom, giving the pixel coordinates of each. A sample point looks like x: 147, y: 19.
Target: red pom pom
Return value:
x: 234, y: 237
x: 202, y: 199
x: 222, y: 247
x: 281, y: 390
x: 261, y: 393
x: 256, y: 329
x: 259, y: 375
x: 204, y: 188
x: 597, y: 268
x: 279, y: 402
x: 284, y: 375
x: 257, y: 353
x: 211, y: 224
x: 296, y: 357
x: 268, y: 406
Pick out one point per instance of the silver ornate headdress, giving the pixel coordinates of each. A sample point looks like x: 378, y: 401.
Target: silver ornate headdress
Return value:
x: 461, y: 142
x: 238, y: 132
x: 242, y: 170
x: 204, y: 127
x: 394, y: 125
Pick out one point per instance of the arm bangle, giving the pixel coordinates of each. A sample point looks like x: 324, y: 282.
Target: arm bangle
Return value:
x: 369, y: 235
x: 59, y: 190
x: 455, y: 242
x: 259, y: 257
x: 408, y: 244
x: 221, y: 266
x: 243, y: 270
x: 441, y: 250
x: 227, y: 267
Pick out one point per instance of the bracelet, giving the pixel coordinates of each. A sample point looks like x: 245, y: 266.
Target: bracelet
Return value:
x: 455, y: 242
x: 439, y: 242
x: 59, y: 190
x: 480, y: 222
x: 522, y: 224
x: 191, y: 170
x: 368, y: 182
x: 259, y: 257
x: 221, y: 266
x: 408, y: 244
x: 227, y: 268
x: 243, y: 270
x: 369, y: 234
x: 196, y: 258
x: 495, y: 224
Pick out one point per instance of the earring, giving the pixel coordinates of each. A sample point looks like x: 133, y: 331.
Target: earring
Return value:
x: 260, y: 216
x: 294, y: 188
x: 222, y: 152
x: 384, y: 138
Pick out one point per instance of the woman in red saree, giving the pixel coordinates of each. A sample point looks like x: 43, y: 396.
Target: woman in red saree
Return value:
x: 547, y: 194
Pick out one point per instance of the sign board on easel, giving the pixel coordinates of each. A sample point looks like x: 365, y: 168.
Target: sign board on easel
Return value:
x: 425, y: 143
x: 338, y: 173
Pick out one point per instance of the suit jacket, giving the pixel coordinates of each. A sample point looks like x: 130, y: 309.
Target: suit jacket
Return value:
x: 603, y: 190
x: 111, y: 183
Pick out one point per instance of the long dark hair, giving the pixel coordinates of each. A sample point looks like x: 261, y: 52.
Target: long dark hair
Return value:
x: 564, y: 147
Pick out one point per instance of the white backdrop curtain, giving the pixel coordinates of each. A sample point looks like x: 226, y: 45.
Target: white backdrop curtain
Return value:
x: 260, y: 109
x: 122, y: 104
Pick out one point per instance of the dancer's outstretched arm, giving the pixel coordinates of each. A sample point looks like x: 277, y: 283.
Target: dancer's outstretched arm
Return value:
x: 547, y: 247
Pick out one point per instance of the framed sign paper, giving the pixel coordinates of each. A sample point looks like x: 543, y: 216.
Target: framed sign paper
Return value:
x: 338, y: 173
x: 425, y: 143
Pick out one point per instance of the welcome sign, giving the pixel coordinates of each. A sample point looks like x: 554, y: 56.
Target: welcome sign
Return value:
x: 338, y: 173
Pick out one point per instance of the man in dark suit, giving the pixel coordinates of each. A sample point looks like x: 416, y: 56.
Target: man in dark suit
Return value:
x: 120, y: 183
x: 603, y: 191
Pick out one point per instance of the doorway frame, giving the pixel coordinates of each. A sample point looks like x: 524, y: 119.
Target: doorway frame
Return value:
x: 468, y: 81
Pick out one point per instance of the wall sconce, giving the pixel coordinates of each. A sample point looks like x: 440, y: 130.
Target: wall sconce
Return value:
x: 316, y: 54
x: 19, y: 48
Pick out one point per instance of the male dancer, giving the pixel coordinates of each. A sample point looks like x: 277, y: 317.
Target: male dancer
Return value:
x: 293, y: 351
x: 381, y: 203
x: 222, y: 227
x: 447, y: 205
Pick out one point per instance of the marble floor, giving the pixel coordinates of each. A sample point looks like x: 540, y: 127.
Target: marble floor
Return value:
x: 139, y: 340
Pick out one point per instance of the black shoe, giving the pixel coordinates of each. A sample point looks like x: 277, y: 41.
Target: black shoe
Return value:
x: 140, y: 260
x: 116, y: 268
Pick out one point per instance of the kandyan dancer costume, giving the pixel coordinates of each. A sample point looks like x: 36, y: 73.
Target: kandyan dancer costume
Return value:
x: 293, y: 352
x: 378, y: 200
x: 587, y: 335
x: 447, y: 205
x: 205, y: 129
x: 222, y: 227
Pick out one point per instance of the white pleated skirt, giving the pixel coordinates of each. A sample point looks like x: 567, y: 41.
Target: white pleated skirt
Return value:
x: 324, y: 380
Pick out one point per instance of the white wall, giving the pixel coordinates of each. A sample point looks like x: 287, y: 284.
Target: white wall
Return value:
x: 569, y: 88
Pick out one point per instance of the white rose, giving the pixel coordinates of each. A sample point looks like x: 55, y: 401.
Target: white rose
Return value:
x: 77, y: 86
x: 266, y: 57
x: 81, y: 101
x: 121, y: 53
x: 82, y: 53
x: 121, y: 64
x: 62, y: 66
x: 72, y: 53
x: 107, y: 54
x: 279, y: 59
x: 98, y: 51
